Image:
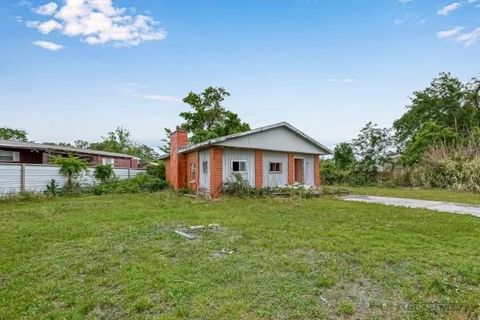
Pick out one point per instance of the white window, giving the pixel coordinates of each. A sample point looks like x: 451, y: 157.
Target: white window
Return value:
x: 109, y: 161
x: 205, y: 167
x: 275, y: 167
x: 239, y: 166
x: 9, y: 156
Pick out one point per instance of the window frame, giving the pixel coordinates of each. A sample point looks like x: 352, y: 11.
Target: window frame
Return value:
x: 239, y: 171
x: 15, y: 156
x: 111, y: 161
x: 193, y: 172
x: 279, y: 171
x: 205, y: 166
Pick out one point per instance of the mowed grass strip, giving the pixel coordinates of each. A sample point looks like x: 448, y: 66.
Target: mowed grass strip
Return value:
x: 115, y: 257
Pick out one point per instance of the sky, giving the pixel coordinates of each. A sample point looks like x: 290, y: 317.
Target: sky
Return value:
x: 77, y: 69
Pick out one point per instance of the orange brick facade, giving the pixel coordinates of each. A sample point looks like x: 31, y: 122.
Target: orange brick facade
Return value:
x: 316, y: 170
x: 176, y: 166
x: 216, y: 172
x: 183, y: 170
x: 258, y: 169
x: 291, y: 168
x: 193, y: 171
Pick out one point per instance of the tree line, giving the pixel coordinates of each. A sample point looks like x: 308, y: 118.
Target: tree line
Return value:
x: 443, y: 118
x: 440, y: 126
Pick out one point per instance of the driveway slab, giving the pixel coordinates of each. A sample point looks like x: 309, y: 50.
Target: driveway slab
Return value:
x: 451, y: 207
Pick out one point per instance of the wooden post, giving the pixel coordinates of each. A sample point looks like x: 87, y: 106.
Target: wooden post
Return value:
x: 22, y: 177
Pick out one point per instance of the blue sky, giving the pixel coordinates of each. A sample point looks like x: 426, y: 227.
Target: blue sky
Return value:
x: 76, y: 69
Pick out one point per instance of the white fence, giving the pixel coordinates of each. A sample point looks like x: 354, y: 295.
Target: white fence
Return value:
x: 15, y: 178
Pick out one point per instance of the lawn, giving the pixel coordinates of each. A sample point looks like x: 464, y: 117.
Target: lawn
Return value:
x: 118, y: 257
x: 425, y: 194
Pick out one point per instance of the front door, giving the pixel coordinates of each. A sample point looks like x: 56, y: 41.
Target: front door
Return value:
x: 299, y: 171
x: 204, y: 170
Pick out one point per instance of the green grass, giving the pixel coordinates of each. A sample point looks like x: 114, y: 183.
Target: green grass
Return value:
x: 117, y: 257
x: 425, y: 194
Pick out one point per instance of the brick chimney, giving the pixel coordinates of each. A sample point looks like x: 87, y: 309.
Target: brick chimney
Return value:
x: 177, y: 165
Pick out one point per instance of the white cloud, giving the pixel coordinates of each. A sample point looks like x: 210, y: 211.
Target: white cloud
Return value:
x: 48, y: 45
x: 99, y: 22
x: 404, y: 1
x: 449, y: 33
x: 345, y: 80
x: 130, y: 91
x: 448, y: 8
x: 398, y: 21
x: 469, y: 38
x: 157, y: 97
x: 48, y: 26
x: 46, y: 9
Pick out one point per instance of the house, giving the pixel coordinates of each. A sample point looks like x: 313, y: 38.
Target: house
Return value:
x: 36, y: 153
x: 267, y: 157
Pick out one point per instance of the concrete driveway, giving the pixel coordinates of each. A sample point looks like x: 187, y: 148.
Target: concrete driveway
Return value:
x: 451, y: 207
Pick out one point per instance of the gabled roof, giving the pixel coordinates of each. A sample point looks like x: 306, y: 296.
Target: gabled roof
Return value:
x: 48, y: 147
x: 223, y: 139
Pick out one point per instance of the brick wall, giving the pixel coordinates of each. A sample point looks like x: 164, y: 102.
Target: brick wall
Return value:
x: 291, y: 168
x: 167, y: 170
x: 258, y: 169
x: 316, y: 170
x: 216, y: 172
x: 192, y: 182
x: 177, y: 171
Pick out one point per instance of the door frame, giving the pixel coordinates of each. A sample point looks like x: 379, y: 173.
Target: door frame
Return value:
x: 295, y: 171
x: 204, y: 155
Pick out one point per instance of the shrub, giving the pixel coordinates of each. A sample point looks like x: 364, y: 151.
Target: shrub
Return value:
x: 241, y: 188
x: 53, y: 188
x: 157, y: 170
x: 451, y: 167
x: 140, y: 183
x: 71, y: 167
x: 104, y: 172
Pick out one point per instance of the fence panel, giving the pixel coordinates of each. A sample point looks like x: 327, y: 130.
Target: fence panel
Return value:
x: 38, y: 176
x: 10, y: 178
x: 121, y: 173
x: 135, y: 172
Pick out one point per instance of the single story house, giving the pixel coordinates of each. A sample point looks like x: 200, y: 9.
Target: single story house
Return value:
x: 266, y: 157
x: 36, y: 153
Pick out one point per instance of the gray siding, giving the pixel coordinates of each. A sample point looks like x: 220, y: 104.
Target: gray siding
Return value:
x: 204, y: 178
x: 277, y: 139
x: 308, y: 168
x: 272, y: 180
x: 231, y: 154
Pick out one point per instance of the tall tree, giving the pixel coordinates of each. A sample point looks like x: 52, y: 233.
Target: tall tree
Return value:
x: 120, y: 141
x: 373, y: 148
x: 13, y: 134
x: 429, y: 135
x: 343, y: 156
x: 447, y: 102
x: 209, y: 119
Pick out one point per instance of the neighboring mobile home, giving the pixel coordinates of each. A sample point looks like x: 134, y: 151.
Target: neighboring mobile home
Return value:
x: 36, y: 153
x: 266, y: 157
